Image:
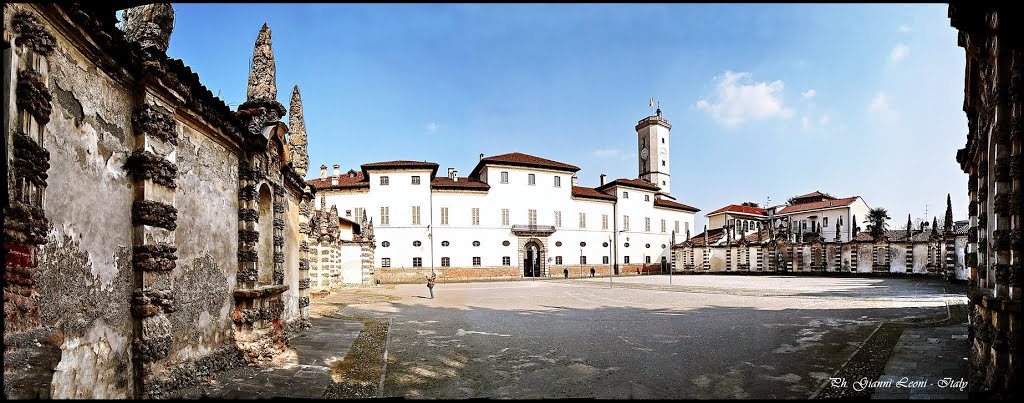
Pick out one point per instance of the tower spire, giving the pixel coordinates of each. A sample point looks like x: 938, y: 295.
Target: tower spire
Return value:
x: 297, y: 126
x: 263, y: 73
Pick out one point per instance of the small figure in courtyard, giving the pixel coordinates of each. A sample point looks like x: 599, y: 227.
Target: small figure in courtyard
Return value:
x: 565, y: 272
x: 430, y: 284
x: 591, y: 272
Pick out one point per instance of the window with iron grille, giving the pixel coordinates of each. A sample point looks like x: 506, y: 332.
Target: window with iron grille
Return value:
x: 417, y: 262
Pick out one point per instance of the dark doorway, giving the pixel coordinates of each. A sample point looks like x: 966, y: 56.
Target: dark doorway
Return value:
x: 664, y: 264
x: 531, y: 260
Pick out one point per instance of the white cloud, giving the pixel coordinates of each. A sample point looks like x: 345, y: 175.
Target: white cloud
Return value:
x: 899, y: 52
x: 823, y: 120
x: 432, y: 127
x: 880, y: 107
x: 809, y: 94
x: 738, y: 99
x: 904, y: 28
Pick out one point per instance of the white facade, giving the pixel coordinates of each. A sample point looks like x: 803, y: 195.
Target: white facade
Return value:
x: 827, y: 218
x: 469, y: 222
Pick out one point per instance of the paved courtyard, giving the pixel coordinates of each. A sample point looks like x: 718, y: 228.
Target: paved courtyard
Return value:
x: 634, y: 337
x: 637, y: 337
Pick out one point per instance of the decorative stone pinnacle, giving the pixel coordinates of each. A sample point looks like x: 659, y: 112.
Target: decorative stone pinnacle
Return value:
x: 263, y: 73
x: 297, y: 137
x: 149, y: 25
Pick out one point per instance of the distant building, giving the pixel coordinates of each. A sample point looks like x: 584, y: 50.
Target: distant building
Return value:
x: 515, y: 215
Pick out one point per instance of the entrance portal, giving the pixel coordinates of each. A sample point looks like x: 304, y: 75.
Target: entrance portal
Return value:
x: 532, y: 260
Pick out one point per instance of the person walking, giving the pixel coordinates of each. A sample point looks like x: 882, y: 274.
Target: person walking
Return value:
x: 430, y: 284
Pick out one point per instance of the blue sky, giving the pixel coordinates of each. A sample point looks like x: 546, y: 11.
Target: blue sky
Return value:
x: 765, y: 100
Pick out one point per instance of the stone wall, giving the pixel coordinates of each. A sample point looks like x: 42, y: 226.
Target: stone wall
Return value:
x: 991, y: 37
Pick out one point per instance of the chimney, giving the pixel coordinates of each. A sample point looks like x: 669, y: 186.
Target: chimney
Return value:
x: 481, y: 156
x: 455, y: 175
x: 602, y: 179
x: 323, y: 171
x: 451, y: 173
x: 337, y: 170
x: 575, y: 181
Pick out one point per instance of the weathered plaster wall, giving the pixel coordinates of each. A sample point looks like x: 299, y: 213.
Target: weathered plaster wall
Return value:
x: 959, y: 263
x: 920, y: 258
x: 207, y: 201
x: 898, y: 263
x: 85, y: 268
x: 351, y: 265
x: 865, y: 258
x: 717, y: 259
x: 291, y: 259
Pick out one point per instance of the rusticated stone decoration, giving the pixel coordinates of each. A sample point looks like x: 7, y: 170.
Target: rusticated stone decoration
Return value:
x: 153, y: 122
x: 25, y: 224
x: 148, y: 302
x: 991, y: 37
x: 29, y: 160
x: 31, y: 33
x: 32, y: 95
x: 149, y: 25
x: 297, y: 134
x: 263, y: 76
x: 145, y: 165
x: 155, y: 257
x: 156, y: 214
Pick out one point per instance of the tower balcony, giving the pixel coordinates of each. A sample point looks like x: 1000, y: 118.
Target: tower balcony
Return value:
x: 528, y: 230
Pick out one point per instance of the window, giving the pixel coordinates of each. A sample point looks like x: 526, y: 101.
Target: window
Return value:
x: 662, y: 183
x: 647, y: 259
x: 558, y: 181
x: 824, y: 221
x: 625, y: 245
x: 476, y: 216
x: 504, y: 176
x: 505, y: 243
x: 558, y: 260
x: 348, y: 213
x: 444, y: 215
x: 583, y: 220
x: 415, y: 179
x: 445, y: 243
x: 360, y: 213
x: 625, y: 223
x: 532, y: 217
x: 625, y: 259
x: 384, y: 219
x: 415, y: 215
x: 558, y: 219
x: 647, y: 197
x: 417, y: 262
x: 663, y: 164
x: 446, y: 262
x: 385, y: 244
x: 583, y: 260
x: 385, y: 262
x: 417, y: 243
x: 532, y: 179
x: 625, y: 195
x: 605, y: 244
x: 647, y: 224
x: 648, y: 246
x: 504, y: 216
x: 476, y: 243
x: 384, y: 180
x: 476, y: 260
x: 604, y: 221
x: 558, y: 243
x: 662, y: 140
x: 662, y: 225
x: 583, y: 244
x: 506, y: 260
x: 604, y: 259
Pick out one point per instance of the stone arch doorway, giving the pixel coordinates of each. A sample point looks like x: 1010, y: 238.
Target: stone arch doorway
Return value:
x: 533, y: 258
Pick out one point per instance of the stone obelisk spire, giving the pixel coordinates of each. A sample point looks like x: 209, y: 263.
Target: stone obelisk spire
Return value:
x: 150, y: 25
x: 263, y: 73
x: 297, y: 125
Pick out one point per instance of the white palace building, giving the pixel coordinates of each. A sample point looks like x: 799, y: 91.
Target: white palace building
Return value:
x: 515, y: 215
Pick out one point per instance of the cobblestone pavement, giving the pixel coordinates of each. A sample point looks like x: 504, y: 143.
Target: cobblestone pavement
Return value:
x: 929, y: 363
x: 641, y: 337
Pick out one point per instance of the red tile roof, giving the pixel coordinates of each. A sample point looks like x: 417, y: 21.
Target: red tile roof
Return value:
x: 817, y: 205
x: 659, y: 202
x: 592, y: 193
x: 401, y: 164
x: 344, y: 182
x: 444, y: 182
x: 714, y: 235
x: 732, y: 208
x: 636, y: 183
x: 526, y: 160
x: 815, y: 194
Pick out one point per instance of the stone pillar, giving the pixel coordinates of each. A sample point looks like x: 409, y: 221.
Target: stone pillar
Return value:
x: 31, y: 350
x: 991, y: 38
x: 305, y: 211
x: 154, y: 217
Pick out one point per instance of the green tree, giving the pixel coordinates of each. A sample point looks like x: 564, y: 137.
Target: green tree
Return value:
x: 910, y: 228
x: 749, y: 204
x: 875, y: 221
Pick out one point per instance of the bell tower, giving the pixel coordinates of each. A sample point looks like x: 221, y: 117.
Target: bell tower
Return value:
x: 653, y: 151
